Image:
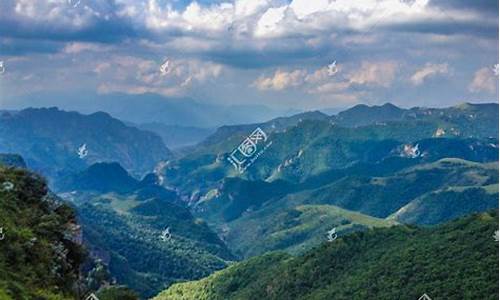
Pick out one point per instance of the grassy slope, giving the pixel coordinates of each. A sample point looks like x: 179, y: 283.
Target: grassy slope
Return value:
x: 457, y: 260
x: 295, y: 229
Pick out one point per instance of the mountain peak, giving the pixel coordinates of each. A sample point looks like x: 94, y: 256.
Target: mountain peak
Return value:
x: 102, y: 177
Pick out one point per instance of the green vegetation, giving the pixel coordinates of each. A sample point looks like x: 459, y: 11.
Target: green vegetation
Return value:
x: 38, y: 256
x: 125, y: 231
x: 294, y: 230
x: 457, y: 260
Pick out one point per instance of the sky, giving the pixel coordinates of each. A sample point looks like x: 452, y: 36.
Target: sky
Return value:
x: 299, y: 54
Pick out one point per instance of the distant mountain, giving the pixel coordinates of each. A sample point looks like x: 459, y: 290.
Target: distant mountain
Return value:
x: 448, y: 203
x: 362, y: 115
x: 224, y: 133
x: 39, y: 254
x: 148, y: 108
x: 141, y: 231
x: 457, y: 120
x: 357, y: 175
x: 101, y: 177
x: 255, y: 217
x: 177, y: 136
x: 457, y: 260
x: 12, y: 160
x: 56, y: 142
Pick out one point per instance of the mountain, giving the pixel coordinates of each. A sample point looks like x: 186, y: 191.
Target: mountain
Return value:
x: 177, y: 136
x: 141, y: 231
x: 147, y: 108
x: 457, y: 260
x: 362, y: 115
x: 12, y: 160
x: 56, y: 143
x: 39, y: 253
x: 101, y: 177
x: 254, y: 217
x: 360, y: 176
x: 451, y: 120
x: 448, y: 203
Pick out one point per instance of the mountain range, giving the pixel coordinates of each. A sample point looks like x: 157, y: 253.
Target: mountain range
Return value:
x: 390, y: 184
x: 57, y: 143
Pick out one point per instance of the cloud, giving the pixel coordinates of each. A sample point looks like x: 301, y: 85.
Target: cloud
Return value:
x: 428, y: 71
x: 281, y: 80
x: 375, y: 73
x: 484, y: 81
x: 320, y: 81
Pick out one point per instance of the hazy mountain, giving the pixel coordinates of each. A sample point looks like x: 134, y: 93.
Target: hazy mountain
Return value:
x: 12, y: 160
x: 463, y: 120
x: 56, y: 142
x: 177, y: 136
x: 362, y: 114
x: 154, y: 108
x: 456, y: 261
x: 313, y: 146
x: 101, y: 177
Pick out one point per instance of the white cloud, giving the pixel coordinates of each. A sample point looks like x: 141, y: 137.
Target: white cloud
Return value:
x: 374, y: 73
x: 281, y: 80
x: 77, y: 47
x: 484, y: 81
x: 137, y: 75
x: 428, y: 71
x: 319, y: 81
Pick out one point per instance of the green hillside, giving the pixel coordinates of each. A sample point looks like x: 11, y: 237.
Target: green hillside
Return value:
x: 39, y: 258
x: 254, y: 217
x: 306, y: 147
x: 123, y: 228
x: 292, y: 229
x: 457, y: 260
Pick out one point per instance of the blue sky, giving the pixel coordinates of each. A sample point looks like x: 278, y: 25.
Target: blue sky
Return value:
x: 275, y: 53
